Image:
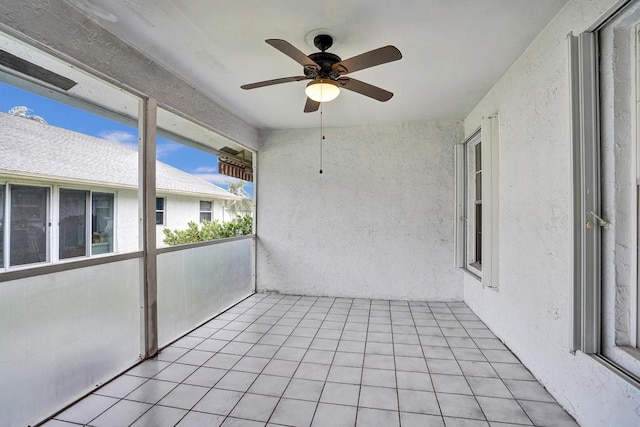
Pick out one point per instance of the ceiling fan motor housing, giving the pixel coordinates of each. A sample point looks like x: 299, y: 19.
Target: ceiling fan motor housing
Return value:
x: 325, y: 60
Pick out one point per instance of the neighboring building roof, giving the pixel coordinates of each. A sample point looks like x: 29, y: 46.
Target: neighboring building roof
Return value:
x: 30, y: 148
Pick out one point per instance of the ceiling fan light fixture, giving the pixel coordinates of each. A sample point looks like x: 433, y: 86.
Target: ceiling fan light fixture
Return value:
x: 322, y: 90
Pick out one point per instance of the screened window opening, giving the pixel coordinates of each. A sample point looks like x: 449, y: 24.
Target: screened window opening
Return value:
x: 205, y: 202
x: 205, y: 210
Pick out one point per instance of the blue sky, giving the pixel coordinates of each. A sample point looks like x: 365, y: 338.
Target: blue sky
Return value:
x: 180, y: 156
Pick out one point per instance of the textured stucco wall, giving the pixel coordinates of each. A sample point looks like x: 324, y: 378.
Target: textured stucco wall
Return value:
x: 531, y: 311
x: 377, y: 223
x: 58, y: 27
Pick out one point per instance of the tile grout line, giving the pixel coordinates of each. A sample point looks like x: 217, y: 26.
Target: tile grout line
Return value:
x: 499, y: 377
x: 210, y: 388
x: 331, y: 365
x: 303, y: 356
x: 214, y: 353
x: 425, y: 360
x: 271, y: 358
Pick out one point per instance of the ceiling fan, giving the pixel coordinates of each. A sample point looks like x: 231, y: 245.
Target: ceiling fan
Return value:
x: 328, y: 71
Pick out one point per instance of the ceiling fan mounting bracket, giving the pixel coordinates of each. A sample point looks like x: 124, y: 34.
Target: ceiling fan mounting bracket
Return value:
x: 323, y: 41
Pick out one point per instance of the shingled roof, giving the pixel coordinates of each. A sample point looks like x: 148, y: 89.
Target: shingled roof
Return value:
x: 30, y: 148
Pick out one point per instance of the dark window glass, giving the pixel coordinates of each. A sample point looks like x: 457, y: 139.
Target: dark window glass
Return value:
x: 205, y: 210
x: 1, y: 226
x: 159, y: 211
x: 73, y: 223
x: 28, y: 241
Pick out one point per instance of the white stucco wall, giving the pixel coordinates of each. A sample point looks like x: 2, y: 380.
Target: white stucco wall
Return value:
x: 531, y: 311
x: 126, y: 226
x: 377, y: 223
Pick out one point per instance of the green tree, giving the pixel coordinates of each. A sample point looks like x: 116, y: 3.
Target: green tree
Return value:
x: 239, y: 207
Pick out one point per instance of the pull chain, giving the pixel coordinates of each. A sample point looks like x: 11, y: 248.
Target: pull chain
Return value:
x: 321, y: 133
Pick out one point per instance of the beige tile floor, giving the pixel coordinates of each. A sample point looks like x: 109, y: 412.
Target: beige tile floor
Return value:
x: 284, y: 360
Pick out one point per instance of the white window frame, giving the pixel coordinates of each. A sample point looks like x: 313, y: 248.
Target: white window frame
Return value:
x: 163, y: 210
x: 210, y: 211
x: 114, y: 223
x: 53, y: 225
x: 488, y: 136
x: 4, y: 242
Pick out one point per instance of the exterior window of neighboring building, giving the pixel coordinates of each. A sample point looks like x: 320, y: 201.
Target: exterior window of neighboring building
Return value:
x: 160, y: 201
x: 102, y: 208
x: 205, y: 210
x: 1, y: 226
x: 29, y: 221
x: 73, y: 223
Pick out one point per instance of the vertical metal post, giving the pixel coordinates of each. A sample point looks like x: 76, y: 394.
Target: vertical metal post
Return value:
x: 147, y: 202
x: 576, y: 208
x: 585, y: 135
x: 590, y: 142
x: 460, y: 194
x: 254, y: 243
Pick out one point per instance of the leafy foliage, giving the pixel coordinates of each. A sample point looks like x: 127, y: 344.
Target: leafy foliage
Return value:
x: 209, y: 230
x: 238, y: 207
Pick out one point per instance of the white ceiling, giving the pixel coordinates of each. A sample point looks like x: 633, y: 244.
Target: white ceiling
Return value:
x: 453, y: 50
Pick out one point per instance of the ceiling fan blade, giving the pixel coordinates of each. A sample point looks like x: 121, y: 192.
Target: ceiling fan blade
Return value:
x: 311, y: 106
x: 368, y: 59
x: 273, y: 82
x: 293, y: 53
x: 365, y: 89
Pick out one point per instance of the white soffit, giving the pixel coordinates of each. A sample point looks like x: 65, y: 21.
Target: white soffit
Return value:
x: 218, y: 46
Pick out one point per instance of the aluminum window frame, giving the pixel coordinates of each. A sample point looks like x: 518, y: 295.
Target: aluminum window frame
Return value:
x: 593, y: 332
x: 487, y: 135
x: 463, y: 184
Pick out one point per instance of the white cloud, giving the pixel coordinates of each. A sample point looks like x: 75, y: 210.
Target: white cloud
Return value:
x: 217, y: 178
x: 121, y: 137
x: 166, y: 148
x: 131, y: 141
x: 206, y: 169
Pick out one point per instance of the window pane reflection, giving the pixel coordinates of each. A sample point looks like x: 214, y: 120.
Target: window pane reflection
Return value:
x: 73, y: 223
x: 102, y: 223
